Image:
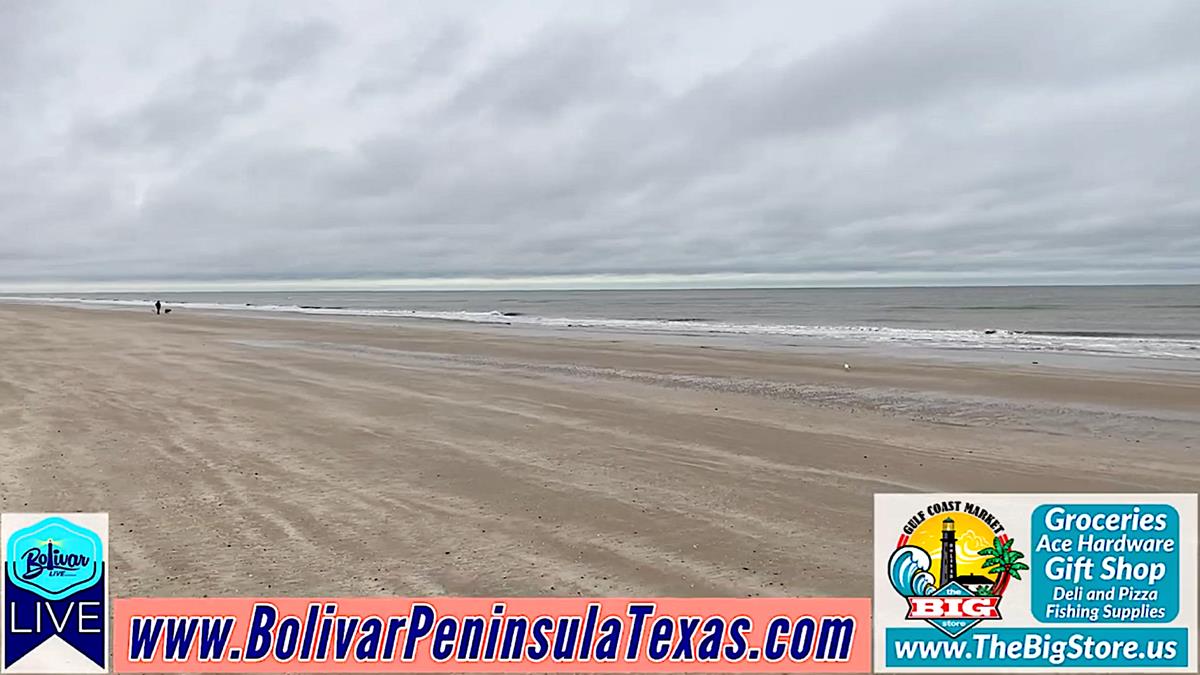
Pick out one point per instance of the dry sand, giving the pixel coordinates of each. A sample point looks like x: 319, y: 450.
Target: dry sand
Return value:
x: 255, y: 456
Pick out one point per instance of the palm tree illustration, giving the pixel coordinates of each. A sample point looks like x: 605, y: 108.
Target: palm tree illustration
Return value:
x: 1004, y: 562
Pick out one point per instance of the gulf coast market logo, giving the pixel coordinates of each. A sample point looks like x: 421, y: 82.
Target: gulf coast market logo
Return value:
x: 55, y: 594
x: 952, y: 564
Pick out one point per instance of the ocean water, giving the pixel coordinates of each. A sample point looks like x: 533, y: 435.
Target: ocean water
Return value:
x: 1153, y: 322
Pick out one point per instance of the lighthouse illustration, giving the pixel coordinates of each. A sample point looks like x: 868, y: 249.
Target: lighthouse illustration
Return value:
x: 953, y: 569
x: 949, y: 571
x: 949, y: 553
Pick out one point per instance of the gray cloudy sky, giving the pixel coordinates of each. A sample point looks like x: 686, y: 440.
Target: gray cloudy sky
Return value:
x: 802, y: 142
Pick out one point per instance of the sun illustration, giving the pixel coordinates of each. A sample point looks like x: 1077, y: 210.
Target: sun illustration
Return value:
x: 973, y: 535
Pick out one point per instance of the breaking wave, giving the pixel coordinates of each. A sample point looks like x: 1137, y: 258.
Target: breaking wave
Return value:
x: 908, y: 570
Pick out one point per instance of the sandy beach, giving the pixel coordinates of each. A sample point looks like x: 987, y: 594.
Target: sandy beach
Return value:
x: 241, y: 455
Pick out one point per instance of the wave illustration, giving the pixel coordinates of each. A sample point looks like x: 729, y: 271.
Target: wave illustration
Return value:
x: 908, y: 570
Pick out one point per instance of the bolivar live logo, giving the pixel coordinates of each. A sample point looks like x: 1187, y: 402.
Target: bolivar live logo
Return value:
x: 975, y: 564
x: 55, y: 595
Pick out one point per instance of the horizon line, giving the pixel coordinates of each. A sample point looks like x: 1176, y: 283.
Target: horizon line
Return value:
x: 599, y: 282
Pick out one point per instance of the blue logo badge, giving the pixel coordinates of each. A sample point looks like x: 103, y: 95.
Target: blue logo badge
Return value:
x: 55, y: 558
x: 55, y: 586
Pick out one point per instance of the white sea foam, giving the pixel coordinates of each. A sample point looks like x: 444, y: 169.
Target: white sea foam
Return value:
x: 1146, y: 347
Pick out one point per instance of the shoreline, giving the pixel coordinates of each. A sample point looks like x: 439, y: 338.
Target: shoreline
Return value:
x: 424, y: 460
x: 853, y: 347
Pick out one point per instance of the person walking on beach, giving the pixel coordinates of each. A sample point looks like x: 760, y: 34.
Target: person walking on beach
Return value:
x: 158, y: 306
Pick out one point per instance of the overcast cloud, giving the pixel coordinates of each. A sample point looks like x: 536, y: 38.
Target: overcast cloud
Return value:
x: 854, y: 142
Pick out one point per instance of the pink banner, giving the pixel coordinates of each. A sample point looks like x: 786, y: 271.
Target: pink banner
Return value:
x: 601, y: 635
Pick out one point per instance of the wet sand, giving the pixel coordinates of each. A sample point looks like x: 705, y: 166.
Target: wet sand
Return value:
x: 254, y: 456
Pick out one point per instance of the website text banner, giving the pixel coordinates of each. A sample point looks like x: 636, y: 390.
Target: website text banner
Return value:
x: 602, y: 635
x: 1035, y: 582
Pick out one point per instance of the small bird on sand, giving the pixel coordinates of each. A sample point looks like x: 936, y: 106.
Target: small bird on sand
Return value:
x: 846, y: 366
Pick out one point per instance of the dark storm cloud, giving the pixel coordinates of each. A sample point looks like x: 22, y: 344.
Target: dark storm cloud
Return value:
x: 191, y: 106
x: 396, y: 67
x: 942, y: 142
x: 561, y: 68
x: 950, y: 50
